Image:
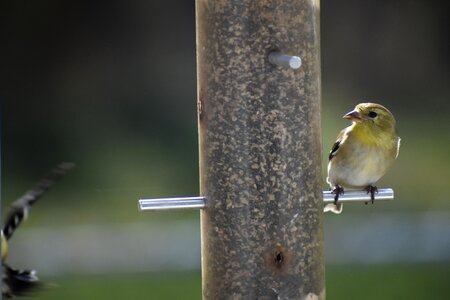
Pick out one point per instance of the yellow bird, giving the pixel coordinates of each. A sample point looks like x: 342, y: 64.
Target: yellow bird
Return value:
x: 363, y: 152
x: 24, y: 282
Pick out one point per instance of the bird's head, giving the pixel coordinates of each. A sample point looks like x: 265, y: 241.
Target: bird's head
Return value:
x: 373, y: 116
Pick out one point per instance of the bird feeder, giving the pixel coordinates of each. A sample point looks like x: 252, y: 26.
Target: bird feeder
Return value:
x: 259, y: 115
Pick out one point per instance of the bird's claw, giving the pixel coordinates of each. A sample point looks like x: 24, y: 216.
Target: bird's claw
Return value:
x: 372, y: 190
x: 337, y: 190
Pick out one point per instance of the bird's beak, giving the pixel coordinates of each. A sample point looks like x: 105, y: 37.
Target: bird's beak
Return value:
x: 353, y: 116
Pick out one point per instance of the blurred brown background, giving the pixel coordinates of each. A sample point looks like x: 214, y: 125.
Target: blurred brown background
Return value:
x: 111, y: 86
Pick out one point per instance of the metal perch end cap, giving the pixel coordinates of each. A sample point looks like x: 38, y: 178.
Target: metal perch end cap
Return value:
x: 284, y: 60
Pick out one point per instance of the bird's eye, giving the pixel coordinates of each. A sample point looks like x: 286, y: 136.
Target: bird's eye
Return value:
x: 372, y: 114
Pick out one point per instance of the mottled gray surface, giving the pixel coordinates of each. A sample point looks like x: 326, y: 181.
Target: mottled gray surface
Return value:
x: 260, y: 152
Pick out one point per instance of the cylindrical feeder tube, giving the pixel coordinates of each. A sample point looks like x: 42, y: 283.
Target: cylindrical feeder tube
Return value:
x: 260, y: 150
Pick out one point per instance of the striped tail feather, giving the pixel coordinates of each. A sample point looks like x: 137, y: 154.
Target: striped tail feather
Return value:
x: 19, y: 282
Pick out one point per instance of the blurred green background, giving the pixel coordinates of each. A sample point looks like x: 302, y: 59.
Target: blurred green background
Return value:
x: 111, y: 86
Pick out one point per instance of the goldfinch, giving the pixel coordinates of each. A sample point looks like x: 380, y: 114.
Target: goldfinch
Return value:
x: 23, y: 282
x: 363, y: 152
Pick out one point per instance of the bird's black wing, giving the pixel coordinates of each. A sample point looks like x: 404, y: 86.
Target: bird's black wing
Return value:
x: 19, y: 208
x: 336, y: 145
x: 334, y: 149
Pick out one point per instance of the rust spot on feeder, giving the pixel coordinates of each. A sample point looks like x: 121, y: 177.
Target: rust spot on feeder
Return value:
x: 200, y: 106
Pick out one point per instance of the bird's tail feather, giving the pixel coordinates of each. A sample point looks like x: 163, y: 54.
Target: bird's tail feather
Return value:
x: 19, y: 282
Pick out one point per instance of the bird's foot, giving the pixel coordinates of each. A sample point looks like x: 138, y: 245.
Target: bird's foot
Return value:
x: 372, y: 190
x: 337, y: 190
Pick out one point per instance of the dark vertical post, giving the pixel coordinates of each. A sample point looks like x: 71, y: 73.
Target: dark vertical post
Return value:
x: 260, y: 150
x: 1, y: 208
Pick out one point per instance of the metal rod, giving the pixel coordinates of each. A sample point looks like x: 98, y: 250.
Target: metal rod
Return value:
x: 359, y: 196
x: 284, y: 60
x: 171, y: 203
x: 181, y: 203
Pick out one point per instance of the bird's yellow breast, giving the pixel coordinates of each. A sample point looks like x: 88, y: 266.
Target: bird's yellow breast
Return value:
x: 4, y: 247
x: 362, y: 159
